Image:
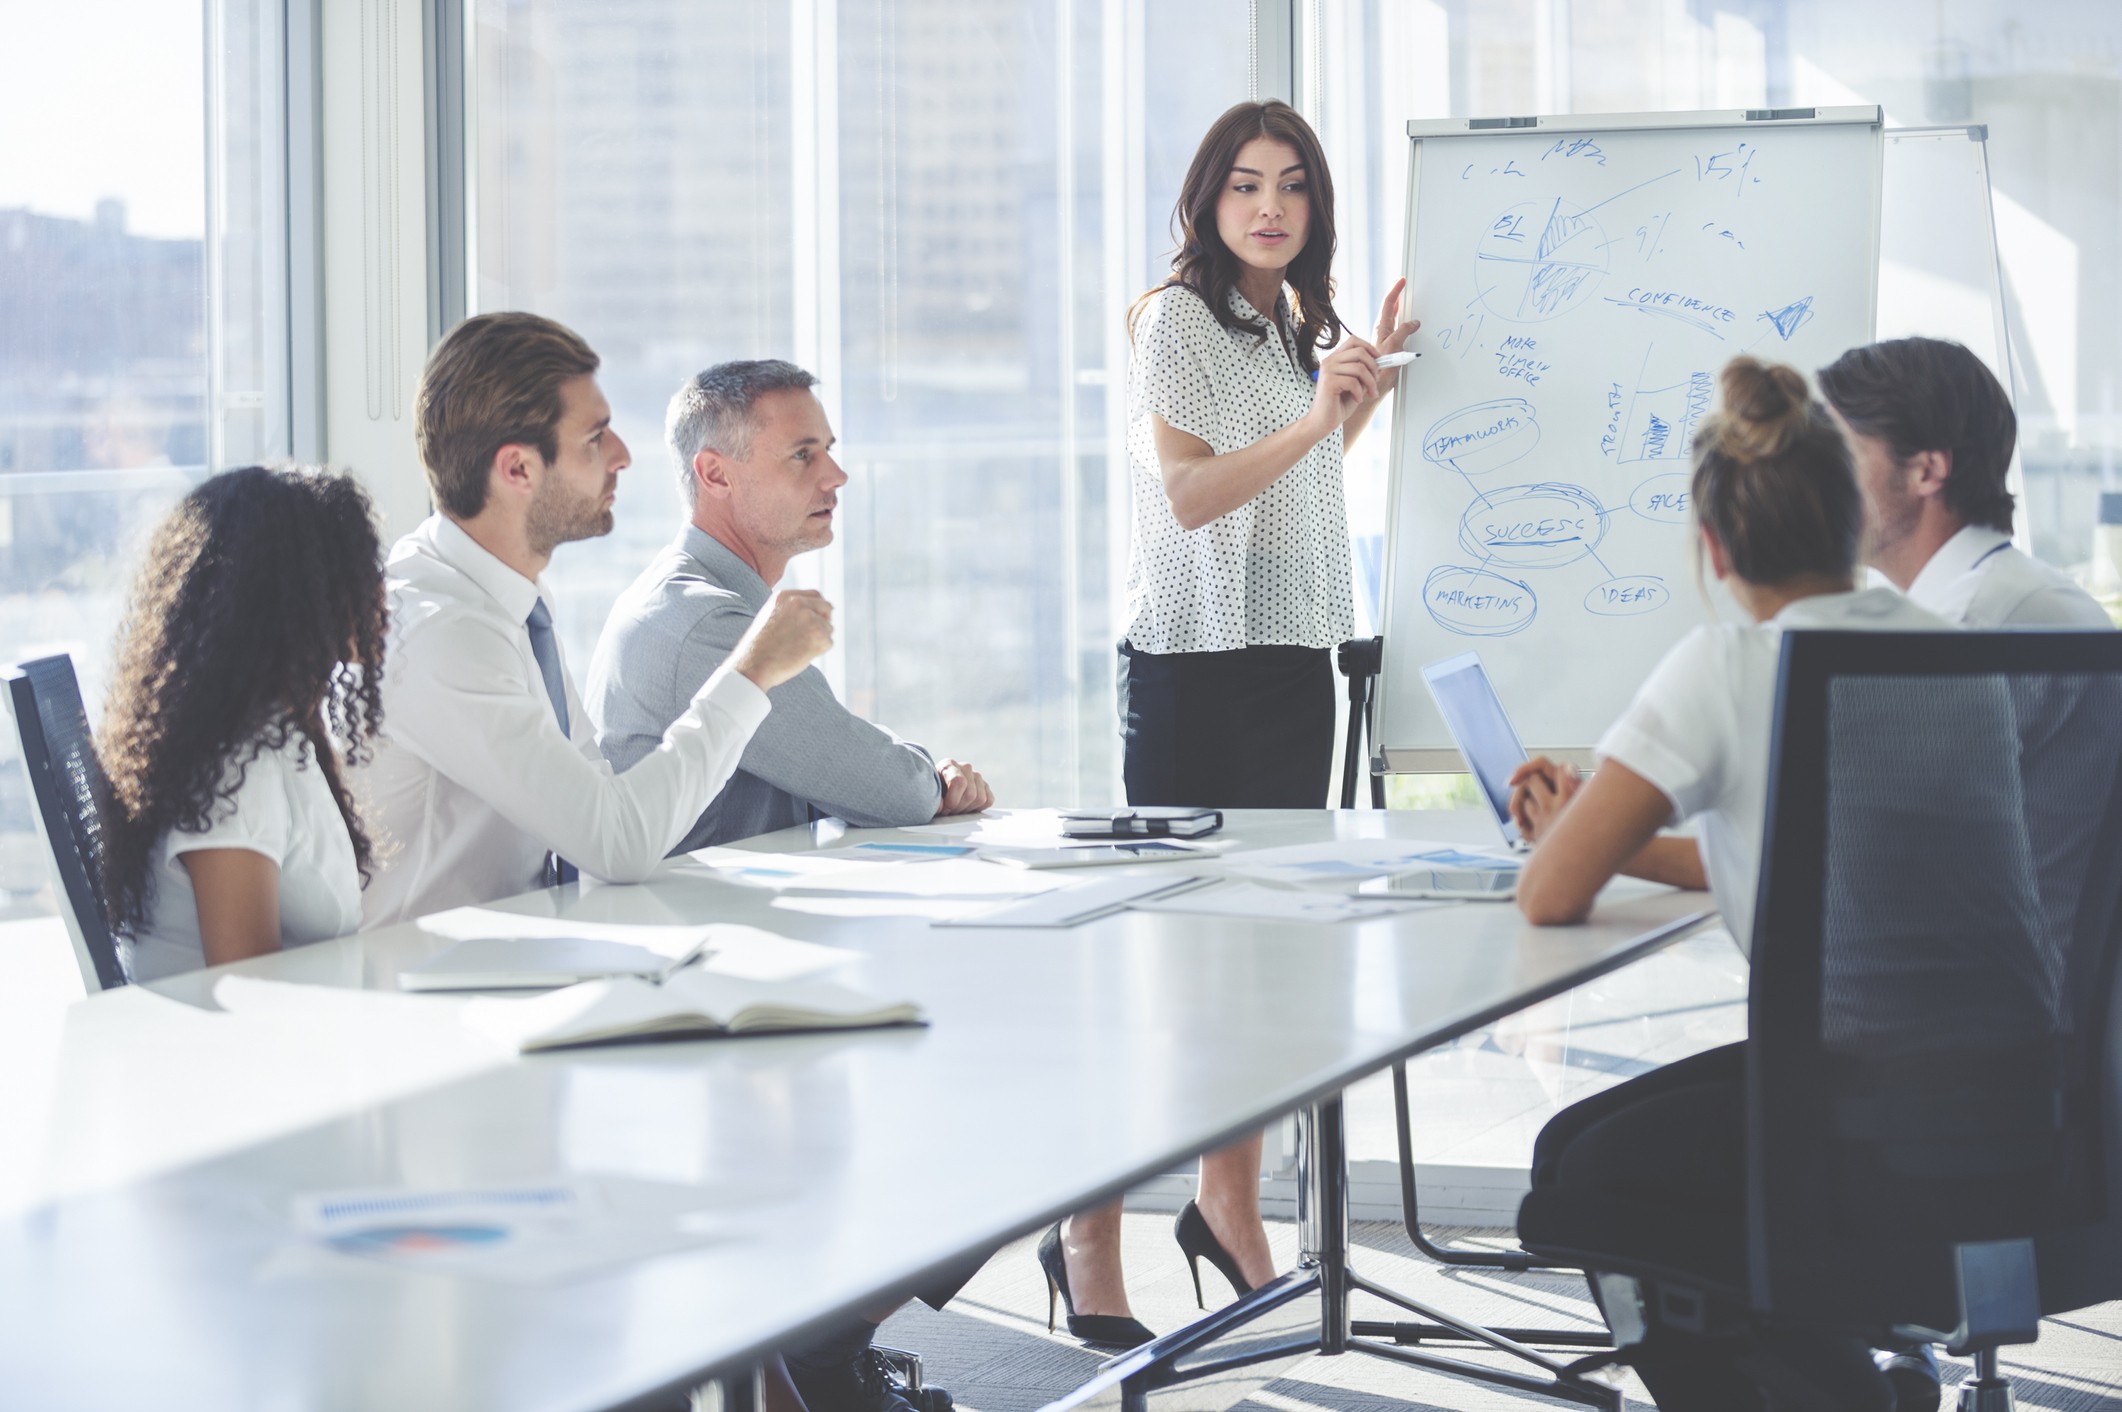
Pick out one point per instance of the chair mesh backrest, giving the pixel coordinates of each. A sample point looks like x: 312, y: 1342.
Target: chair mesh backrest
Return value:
x: 1936, y: 921
x: 72, y: 796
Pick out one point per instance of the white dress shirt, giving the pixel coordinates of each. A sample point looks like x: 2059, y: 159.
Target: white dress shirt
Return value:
x: 1979, y: 580
x: 473, y: 779
x: 1699, y: 730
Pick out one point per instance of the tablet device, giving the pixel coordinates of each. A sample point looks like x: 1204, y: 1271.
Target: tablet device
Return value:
x: 1474, y: 715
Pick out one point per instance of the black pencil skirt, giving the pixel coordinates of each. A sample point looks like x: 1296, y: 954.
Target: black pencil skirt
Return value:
x: 1250, y: 729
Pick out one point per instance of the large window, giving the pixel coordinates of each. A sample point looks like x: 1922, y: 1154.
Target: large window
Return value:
x: 142, y: 312
x: 943, y: 209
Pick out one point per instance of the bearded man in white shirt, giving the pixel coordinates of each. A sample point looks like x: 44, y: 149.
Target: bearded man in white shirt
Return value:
x: 1932, y: 431
x: 486, y: 777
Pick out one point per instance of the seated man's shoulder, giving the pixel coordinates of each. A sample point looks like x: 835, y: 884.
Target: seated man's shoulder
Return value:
x: 686, y: 600
x: 672, y: 626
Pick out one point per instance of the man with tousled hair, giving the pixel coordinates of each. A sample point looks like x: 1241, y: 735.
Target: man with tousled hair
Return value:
x: 1932, y: 431
x: 487, y: 779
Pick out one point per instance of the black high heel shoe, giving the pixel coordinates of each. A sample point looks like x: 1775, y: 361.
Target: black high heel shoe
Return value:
x: 1196, y: 1240
x: 1105, y: 1330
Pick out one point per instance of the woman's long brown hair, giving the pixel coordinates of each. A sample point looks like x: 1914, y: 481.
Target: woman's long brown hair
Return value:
x: 1204, y: 264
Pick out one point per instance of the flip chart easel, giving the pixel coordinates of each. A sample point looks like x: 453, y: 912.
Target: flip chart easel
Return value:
x: 1581, y: 280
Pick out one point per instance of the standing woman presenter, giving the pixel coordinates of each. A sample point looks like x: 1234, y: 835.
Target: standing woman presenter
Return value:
x: 1238, y: 584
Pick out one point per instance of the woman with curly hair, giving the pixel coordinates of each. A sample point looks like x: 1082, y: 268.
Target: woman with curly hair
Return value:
x: 254, y: 637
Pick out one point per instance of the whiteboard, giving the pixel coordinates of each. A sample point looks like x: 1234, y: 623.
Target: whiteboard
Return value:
x: 1580, y: 282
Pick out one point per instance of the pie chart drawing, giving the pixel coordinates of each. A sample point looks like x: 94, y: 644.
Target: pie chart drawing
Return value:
x: 1538, y: 260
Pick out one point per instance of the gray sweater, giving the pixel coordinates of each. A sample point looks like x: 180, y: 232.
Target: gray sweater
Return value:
x: 666, y: 635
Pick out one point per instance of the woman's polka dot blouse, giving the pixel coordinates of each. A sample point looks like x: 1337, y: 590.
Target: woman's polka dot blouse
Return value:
x: 1274, y: 570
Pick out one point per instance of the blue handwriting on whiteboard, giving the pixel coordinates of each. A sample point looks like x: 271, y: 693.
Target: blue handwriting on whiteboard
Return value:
x: 1575, y: 147
x: 1672, y: 304
x: 1791, y: 317
x: 1507, y: 169
x: 1729, y: 167
x: 1612, y: 439
x: 1517, y: 359
x: 1475, y: 601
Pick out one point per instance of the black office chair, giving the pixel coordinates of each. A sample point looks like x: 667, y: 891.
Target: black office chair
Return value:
x: 72, y: 795
x: 1930, y: 1104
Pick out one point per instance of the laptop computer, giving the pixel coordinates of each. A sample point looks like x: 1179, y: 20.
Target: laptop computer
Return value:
x: 1474, y: 715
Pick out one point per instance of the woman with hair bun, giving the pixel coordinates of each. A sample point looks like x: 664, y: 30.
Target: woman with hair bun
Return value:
x: 254, y: 637
x: 1781, y: 523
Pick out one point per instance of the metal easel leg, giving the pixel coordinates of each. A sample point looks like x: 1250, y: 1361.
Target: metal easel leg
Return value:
x: 1359, y: 660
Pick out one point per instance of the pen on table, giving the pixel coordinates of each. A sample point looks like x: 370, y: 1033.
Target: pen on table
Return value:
x: 1386, y: 360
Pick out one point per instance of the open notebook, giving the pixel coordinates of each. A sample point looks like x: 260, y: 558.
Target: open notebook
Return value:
x: 691, y: 1003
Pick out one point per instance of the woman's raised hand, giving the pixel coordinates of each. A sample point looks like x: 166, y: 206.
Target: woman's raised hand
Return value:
x: 1393, y: 334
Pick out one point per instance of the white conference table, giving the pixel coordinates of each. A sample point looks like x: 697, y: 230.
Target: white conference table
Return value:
x: 146, y: 1256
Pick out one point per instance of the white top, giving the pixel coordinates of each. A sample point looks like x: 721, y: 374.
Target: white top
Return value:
x: 1979, y: 579
x: 472, y: 779
x: 282, y: 809
x: 1274, y: 570
x: 1699, y: 730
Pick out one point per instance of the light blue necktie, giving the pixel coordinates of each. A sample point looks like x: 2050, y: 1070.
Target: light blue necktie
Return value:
x: 540, y: 623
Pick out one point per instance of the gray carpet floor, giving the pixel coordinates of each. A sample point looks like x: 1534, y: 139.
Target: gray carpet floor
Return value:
x: 991, y: 1349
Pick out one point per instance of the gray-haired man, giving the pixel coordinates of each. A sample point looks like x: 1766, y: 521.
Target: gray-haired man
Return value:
x: 754, y: 454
